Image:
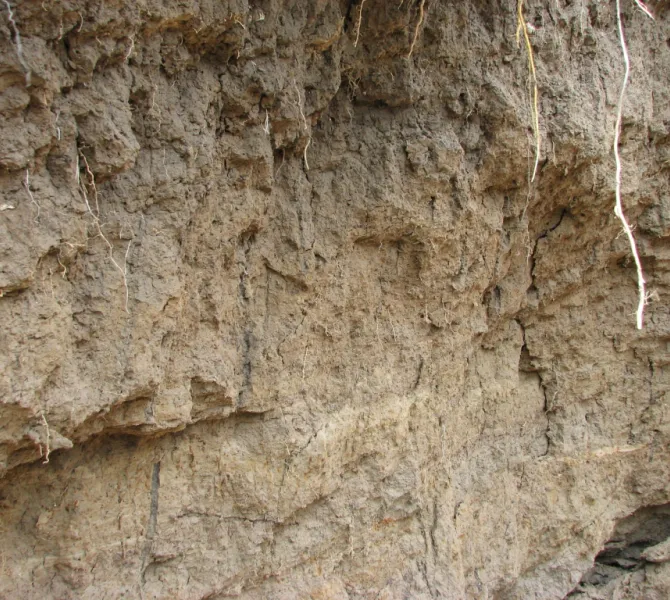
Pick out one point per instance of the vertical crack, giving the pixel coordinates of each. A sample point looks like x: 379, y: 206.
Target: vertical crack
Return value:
x: 532, y: 248
x: 247, y: 341
x: 419, y: 372
x: 526, y: 365
x: 246, y: 240
x: 423, y: 569
x: 433, y: 529
x: 153, y: 516
x: 546, y: 409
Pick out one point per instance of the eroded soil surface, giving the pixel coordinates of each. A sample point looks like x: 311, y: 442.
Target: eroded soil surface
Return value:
x: 282, y: 316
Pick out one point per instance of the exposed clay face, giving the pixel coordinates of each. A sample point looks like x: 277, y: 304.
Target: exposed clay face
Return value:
x: 282, y: 317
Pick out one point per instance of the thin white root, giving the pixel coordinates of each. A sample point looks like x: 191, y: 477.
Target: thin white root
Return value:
x: 47, y: 450
x: 17, y: 41
x: 26, y: 185
x: 91, y: 179
x: 131, y: 48
x: 521, y: 26
x: 304, y: 122
x: 96, y: 219
x: 304, y: 153
x: 644, y: 8
x: 58, y: 130
x: 300, y: 108
x: 358, y: 23
x: 416, y: 28
x: 266, y: 125
x: 618, y: 208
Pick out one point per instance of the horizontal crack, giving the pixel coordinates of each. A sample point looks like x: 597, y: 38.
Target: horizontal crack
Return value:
x: 210, y: 515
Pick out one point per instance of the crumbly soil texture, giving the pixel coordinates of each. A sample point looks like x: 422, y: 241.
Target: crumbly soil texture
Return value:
x: 284, y: 317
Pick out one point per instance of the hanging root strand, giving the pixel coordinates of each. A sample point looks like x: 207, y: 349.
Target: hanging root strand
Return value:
x: 96, y: 220
x: 417, y: 27
x: 26, y: 185
x: 618, y: 207
x: 47, y: 443
x: 358, y: 23
x: 521, y: 27
x: 18, y: 43
x: 644, y: 8
x: 301, y: 103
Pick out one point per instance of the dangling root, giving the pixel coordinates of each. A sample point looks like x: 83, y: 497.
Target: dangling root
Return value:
x: 358, y: 23
x: 618, y: 207
x: 534, y: 103
x: 416, y: 28
x: 18, y: 43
